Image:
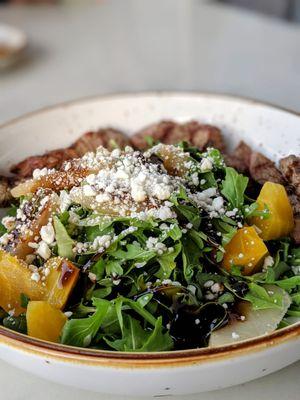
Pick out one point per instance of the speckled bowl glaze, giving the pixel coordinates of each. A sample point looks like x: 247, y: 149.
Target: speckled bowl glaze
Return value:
x: 274, y: 131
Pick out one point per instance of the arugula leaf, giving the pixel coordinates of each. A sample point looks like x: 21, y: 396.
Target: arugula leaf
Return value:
x: 261, y: 299
x: 133, y: 252
x: 64, y: 243
x: 17, y: 324
x: 24, y: 300
x: 135, y: 338
x: 94, y: 231
x: 233, y: 187
x: 191, y: 253
x: 80, y: 332
x: 190, y: 213
x: 113, y: 268
x: 251, y: 210
x: 289, y: 283
x: 167, y: 262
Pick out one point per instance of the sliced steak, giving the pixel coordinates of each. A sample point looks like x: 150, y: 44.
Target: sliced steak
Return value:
x: 55, y: 158
x: 262, y: 169
x: 296, y: 232
x: 290, y: 168
x: 203, y: 136
x: 5, y: 195
x: 240, y: 158
x: 170, y: 132
x: 51, y: 159
x: 108, y: 138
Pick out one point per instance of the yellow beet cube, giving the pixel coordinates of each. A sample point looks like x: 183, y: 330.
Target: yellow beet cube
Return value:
x: 281, y: 221
x: 44, y: 321
x: 60, y: 281
x: 15, y: 279
x: 245, y: 249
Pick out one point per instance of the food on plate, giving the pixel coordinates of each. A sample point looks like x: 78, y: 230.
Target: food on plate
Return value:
x: 164, y: 241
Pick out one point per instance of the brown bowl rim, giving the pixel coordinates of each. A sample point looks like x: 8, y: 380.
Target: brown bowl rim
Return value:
x: 27, y: 344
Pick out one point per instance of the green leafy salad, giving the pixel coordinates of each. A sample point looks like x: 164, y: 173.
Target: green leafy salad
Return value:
x: 159, y: 250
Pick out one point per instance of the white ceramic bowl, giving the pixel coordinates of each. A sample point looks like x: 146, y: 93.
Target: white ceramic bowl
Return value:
x: 179, y: 372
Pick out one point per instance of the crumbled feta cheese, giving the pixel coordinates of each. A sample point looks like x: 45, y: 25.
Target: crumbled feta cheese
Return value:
x: 88, y: 191
x: 43, y: 250
x: 92, y: 276
x: 37, y: 173
x: 35, y: 276
x: 208, y: 284
x: 206, y: 165
x: 64, y: 201
x: 210, y: 296
x: 47, y: 233
x: 216, y: 288
x: 9, y: 222
x: 268, y: 262
x: 68, y: 314
x: 235, y: 336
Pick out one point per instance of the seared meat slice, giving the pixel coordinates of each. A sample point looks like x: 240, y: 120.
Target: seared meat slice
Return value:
x: 55, y: 158
x: 203, y: 136
x: 108, y: 138
x: 296, y: 232
x: 240, y: 158
x: 290, y: 167
x: 5, y: 194
x: 157, y: 131
x: 262, y: 169
x: 170, y: 132
x: 295, y: 202
x: 51, y: 159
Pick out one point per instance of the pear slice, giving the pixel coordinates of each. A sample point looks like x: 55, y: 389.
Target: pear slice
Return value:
x: 256, y: 323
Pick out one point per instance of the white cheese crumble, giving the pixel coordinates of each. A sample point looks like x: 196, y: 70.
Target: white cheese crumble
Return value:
x: 206, y: 165
x: 47, y: 233
x: 268, y: 262
x: 43, y: 250
x: 235, y: 336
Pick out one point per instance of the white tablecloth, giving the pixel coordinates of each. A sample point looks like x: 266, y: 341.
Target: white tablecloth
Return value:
x: 135, y: 45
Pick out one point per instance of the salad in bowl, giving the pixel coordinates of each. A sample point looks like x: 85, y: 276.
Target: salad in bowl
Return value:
x: 161, y: 242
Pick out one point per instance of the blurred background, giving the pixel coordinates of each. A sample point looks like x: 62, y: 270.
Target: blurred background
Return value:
x: 77, y: 48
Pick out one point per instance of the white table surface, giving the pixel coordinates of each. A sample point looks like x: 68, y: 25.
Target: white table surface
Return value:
x: 135, y: 45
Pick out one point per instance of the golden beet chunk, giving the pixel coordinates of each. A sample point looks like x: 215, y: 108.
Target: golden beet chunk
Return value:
x: 281, y: 221
x: 15, y: 279
x: 245, y: 249
x: 175, y: 160
x: 44, y: 321
x: 54, y: 284
x: 60, y: 281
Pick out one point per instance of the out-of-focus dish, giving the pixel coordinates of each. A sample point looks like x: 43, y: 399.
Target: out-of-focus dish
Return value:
x: 12, y: 43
